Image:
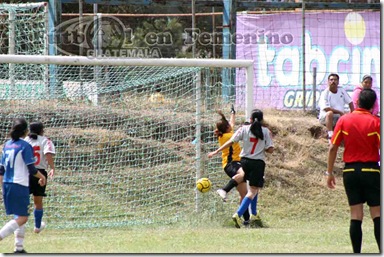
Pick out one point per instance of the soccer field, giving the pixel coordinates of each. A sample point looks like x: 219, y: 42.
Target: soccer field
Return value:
x: 284, y: 236
x: 301, y: 214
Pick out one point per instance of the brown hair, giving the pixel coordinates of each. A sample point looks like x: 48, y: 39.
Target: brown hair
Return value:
x: 221, y: 125
x: 35, y: 129
x: 19, y: 128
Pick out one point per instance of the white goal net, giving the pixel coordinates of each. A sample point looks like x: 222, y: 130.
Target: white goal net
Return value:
x: 126, y: 132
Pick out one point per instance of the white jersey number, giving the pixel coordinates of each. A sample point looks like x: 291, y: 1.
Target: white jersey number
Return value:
x: 10, y: 158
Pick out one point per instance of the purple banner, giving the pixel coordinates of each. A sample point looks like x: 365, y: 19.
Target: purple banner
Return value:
x: 346, y: 43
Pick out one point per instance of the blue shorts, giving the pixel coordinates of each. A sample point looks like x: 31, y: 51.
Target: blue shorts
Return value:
x: 16, y: 199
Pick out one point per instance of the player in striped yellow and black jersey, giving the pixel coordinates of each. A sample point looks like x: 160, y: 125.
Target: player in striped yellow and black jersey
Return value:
x: 231, y: 159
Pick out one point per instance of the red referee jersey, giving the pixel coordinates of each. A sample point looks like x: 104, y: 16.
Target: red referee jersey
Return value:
x: 360, y: 131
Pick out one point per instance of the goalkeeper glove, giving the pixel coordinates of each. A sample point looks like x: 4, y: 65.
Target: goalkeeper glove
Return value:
x: 233, y: 110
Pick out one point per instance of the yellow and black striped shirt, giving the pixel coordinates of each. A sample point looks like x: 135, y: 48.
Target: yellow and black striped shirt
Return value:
x: 231, y: 153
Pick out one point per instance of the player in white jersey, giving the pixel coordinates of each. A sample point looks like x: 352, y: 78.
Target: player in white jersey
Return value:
x: 17, y: 163
x: 256, y: 141
x: 44, y: 151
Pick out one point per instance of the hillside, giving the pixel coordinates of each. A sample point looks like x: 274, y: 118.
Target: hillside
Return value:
x: 121, y: 166
x: 295, y: 181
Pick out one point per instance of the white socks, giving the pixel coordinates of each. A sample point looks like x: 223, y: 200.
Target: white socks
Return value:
x: 19, y: 238
x: 8, y: 229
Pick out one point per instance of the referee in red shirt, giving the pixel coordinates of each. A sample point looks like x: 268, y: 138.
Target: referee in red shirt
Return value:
x: 360, y: 131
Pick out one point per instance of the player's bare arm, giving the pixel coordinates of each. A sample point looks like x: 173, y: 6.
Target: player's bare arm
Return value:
x: 51, y: 163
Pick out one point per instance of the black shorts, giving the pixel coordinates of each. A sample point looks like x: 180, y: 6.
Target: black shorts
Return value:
x: 34, y: 187
x: 362, y: 183
x: 232, y: 168
x: 254, y: 171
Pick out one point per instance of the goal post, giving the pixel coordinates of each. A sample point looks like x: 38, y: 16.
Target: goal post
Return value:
x: 23, y: 31
x: 132, y: 140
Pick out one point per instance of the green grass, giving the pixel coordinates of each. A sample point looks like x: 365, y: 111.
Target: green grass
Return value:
x: 282, y: 236
x: 302, y: 214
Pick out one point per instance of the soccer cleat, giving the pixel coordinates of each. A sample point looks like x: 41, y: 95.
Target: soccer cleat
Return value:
x: 237, y: 220
x: 222, y: 194
x: 38, y: 230
x: 20, y: 251
x: 256, y: 220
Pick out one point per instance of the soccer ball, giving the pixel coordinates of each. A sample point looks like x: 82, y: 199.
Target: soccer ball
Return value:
x: 203, y: 185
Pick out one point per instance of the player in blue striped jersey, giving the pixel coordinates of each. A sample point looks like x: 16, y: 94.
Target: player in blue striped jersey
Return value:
x: 17, y: 162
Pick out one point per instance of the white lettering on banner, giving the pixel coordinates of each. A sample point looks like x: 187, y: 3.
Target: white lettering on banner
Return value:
x: 294, y: 98
x: 371, y: 56
x: 339, y: 54
x: 314, y: 54
x: 356, y: 62
x: 265, y: 57
x: 286, y: 78
x: 355, y: 70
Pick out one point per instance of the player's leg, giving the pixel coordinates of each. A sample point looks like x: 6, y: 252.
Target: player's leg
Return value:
x: 38, y: 213
x: 19, y: 239
x: 329, y: 123
x: 38, y: 195
x: 355, y: 230
x: 252, y: 192
x: 375, y: 215
x: 242, y: 189
x: 254, y: 205
x: 352, y: 184
x: 16, y: 204
x: 372, y: 192
x: 231, y: 170
x: 258, y: 182
x: 252, y: 172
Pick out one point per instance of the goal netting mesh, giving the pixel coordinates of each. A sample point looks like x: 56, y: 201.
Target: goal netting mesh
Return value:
x: 125, y: 135
x: 23, y: 30
x: 126, y: 153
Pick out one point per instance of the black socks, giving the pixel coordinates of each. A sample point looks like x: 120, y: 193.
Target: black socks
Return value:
x: 356, y: 235
x: 376, y: 226
x: 231, y: 184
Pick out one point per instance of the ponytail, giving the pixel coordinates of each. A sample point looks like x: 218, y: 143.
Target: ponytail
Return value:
x: 33, y: 135
x: 257, y: 119
x: 35, y: 129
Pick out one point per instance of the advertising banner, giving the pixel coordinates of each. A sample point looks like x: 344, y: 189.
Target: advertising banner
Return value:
x: 346, y: 43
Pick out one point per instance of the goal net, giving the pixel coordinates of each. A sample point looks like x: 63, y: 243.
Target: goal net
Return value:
x: 126, y: 133
x: 23, y: 30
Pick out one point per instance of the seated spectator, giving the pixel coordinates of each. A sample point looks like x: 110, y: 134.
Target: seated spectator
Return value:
x: 332, y: 102
x: 366, y: 83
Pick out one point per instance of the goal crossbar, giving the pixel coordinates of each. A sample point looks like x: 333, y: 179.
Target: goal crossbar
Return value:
x: 166, y: 62
x: 83, y: 60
